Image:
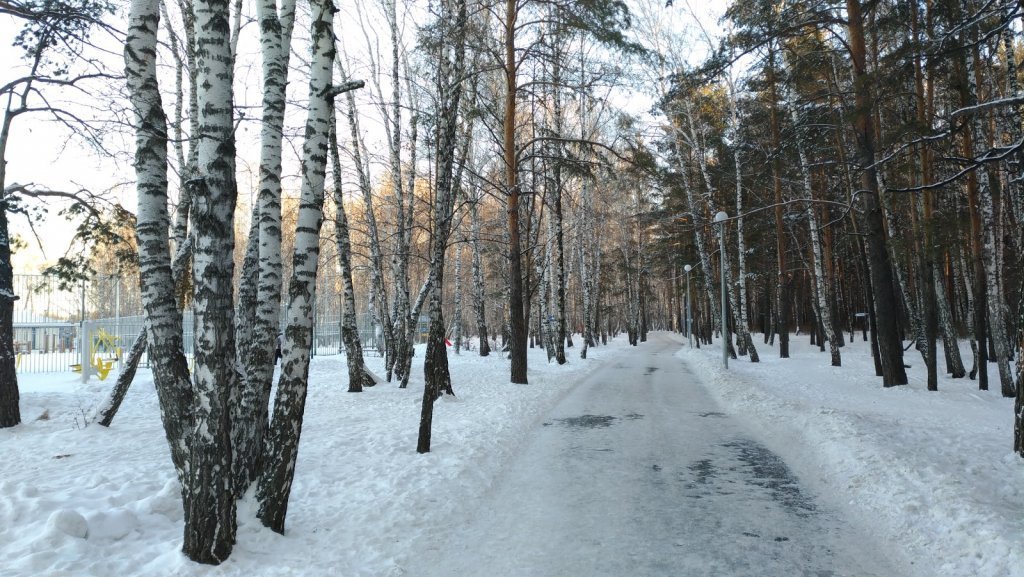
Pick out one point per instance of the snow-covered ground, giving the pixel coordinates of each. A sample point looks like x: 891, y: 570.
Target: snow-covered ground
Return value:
x: 931, y: 472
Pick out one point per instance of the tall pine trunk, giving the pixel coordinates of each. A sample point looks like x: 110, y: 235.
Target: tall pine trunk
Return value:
x: 890, y: 350
x: 517, y: 314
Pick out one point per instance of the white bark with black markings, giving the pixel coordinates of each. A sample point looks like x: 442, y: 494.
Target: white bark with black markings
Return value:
x: 274, y: 485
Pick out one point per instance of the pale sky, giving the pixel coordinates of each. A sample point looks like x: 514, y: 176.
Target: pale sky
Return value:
x: 40, y: 151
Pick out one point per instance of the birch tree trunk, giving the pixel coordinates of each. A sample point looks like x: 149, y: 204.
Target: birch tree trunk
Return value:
x: 1013, y: 128
x: 543, y: 267
x: 208, y: 495
x: 163, y: 324
x: 950, y: 338
x: 555, y: 218
x: 782, y: 305
x: 742, y: 323
x: 407, y: 314
x: 479, y: 300
x: 258, y: 343
x: 274, y: 486
x: 108, y: 410
x: 457, y: 301
x: 379, y: 299
x: 437, y: 380
x: 700, y: 236
x: 179, y: 229
x: 105, y: 414
x: 358, y: 377
x: 586, y: 279
x: 823, y: 305
x: 986, y: 210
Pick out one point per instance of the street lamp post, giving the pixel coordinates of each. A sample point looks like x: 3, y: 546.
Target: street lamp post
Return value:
x: 720, y: 219
x: 689, y: 318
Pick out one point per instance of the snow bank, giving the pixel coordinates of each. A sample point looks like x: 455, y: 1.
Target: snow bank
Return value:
x: 932, y: 472
x: 78, y: 499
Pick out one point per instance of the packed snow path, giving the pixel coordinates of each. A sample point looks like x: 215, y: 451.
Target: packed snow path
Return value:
x: 637, y: 472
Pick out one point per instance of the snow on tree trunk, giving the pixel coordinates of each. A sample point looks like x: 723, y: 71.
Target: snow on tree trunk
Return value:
x: 208, y: 495
x: 275, y: 482
x: 950, y: 338
x: 1012, y: 128
x: 105, y: 414
x: 163, y: 324
x: 916, y: 325
x: 10, y: 409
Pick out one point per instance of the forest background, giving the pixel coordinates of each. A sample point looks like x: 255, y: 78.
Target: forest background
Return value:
x: 827, y: 166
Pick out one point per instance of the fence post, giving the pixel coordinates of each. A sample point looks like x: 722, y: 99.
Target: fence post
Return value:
x: 85, y: 343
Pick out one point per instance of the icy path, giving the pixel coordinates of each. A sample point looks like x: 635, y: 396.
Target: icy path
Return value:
x: 637, y: 472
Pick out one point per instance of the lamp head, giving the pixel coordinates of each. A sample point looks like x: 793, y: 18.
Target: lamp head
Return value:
x: 687, y: 268
x: 721, y: 216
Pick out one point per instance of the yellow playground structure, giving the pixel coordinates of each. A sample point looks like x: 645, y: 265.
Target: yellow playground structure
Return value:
x: 104, y: 353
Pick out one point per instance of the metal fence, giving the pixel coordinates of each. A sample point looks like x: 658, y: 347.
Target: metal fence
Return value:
x: 50, y: 322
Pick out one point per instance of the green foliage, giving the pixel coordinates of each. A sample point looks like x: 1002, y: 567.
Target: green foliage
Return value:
x: 102, y: 239
x: 605, y: 20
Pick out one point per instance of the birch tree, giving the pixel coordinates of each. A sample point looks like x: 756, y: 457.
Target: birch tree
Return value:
x: 274, y: 486
x: 208, y: 496
x: 479, y: 299
x: 822, y: 304
x: 358, y: 375
x: 195, y: 415
x: 258, y: 340
x: 451, y: 49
